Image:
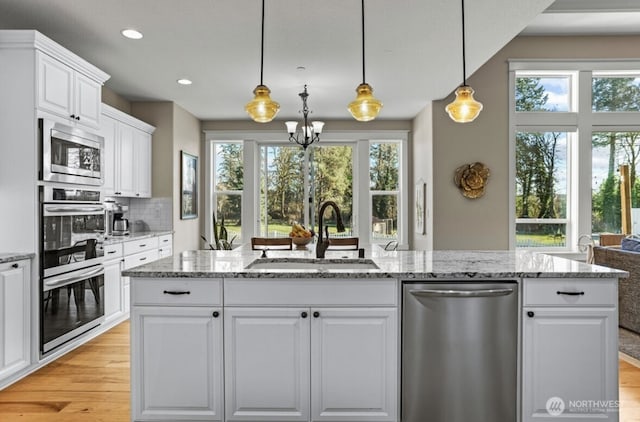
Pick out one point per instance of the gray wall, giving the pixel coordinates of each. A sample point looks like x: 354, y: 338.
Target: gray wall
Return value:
x: 460, y: 223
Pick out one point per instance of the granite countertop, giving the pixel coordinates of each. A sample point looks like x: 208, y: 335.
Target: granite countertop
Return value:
x: 15, y: 256
x: 397, y: 264
x: 135, y: 236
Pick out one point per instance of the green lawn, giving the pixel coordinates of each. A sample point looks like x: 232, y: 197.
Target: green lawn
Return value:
x: 539, y: 240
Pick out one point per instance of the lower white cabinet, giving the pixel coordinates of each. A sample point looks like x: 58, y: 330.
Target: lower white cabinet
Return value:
x: 311, y: 364
x: 113, y: 293
x: 177, y: 363
x: 569, y: 351
x: 267, y: 364
x: 15, y: 317
x: 176, y: 350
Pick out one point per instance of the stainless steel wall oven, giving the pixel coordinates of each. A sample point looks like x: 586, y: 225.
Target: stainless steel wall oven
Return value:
x: 72, y: 274
x: 70, y: 155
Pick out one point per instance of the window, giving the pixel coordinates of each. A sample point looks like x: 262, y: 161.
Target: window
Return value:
x: 564, y: 115
x: 228, y: 184
x: 364, y: 173
x: 384, y: 183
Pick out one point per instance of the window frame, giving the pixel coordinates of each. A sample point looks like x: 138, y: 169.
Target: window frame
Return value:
x: 582, y: 120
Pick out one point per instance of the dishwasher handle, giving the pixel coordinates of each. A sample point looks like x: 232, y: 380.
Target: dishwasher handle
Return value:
x: 461, y: 293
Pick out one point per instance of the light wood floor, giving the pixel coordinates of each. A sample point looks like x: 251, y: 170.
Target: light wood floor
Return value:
x: 91, y: 384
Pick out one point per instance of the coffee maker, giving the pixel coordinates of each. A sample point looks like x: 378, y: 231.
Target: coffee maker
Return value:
x: 115, y: 223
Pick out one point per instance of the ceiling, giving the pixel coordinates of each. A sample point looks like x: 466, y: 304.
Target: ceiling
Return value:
x: 413, y: 51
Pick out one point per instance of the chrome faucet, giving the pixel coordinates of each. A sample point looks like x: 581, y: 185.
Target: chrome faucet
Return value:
x: 322, y: 245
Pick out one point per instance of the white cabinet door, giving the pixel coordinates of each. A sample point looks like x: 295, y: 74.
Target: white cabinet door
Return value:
x: 354, y: 367
x: 88, y: 94
x: 15, y: 319
x: 178, y: 364
x: 569, y: 357
x: 125, y: 175
x: 109, y: 130
x: 142, y: 148
x: 55, y: 86
x: 267, y: 364
x: 112, y: 290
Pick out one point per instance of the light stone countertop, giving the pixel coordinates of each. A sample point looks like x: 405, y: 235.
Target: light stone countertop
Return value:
x: 398, y: 264
x: 15, y: 256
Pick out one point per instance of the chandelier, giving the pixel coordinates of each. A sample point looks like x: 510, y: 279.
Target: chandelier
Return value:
x: 310, y: 131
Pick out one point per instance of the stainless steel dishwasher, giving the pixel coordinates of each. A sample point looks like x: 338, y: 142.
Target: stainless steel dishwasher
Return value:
x: 459, y: 352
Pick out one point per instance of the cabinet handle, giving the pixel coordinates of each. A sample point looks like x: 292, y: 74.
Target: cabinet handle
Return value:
x: 142, y: 246
x: 570, y: 293
x: 110, y: 252
x: 73, y: 116
x: 15, y: 265
x: 137, y: 194
x: 143, y: 258
x: 303, y: 315
x: 177, y: 292
x: 316, y: 314
x: 216, y: 314
x: 77, y: 117
x: 530, y: 314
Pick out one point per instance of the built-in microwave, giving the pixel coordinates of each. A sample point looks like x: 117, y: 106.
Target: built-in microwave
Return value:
x: 70, y: 155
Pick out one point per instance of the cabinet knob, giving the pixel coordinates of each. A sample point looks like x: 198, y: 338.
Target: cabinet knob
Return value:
x: 15, y: 265
x: 77, y: 117
x: 303, y: 315
x: 530, y: 314
x: 216, y: 314
x: 73, y: 116
x: 316, y: 314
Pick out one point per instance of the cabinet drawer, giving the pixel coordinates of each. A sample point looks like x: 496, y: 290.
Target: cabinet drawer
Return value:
x: 136, y: 246
x: 166, y: 240
x: 176, y: 291
x: 164, y: 252
x: 140, y: 258
x: 570, y: 292
x: 113, y: 251
x: 310, y: 292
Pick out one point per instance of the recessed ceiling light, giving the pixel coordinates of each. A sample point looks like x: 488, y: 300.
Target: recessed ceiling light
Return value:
x: 184, y: 81
x: 131, y: 33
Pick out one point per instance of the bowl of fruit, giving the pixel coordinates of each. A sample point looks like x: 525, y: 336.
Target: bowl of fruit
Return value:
x: 300, y: 236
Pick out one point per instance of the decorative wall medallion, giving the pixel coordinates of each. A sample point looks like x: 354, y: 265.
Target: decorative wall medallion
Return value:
x: 471, y: 179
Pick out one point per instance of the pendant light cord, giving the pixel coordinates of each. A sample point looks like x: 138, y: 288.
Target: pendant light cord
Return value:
x: 464, y: 63
x: 262, y: 45
x: 363, y: 79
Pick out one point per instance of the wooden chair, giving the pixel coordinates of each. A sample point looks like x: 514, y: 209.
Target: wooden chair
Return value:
x: 258, y: 243
x: 343, y: 243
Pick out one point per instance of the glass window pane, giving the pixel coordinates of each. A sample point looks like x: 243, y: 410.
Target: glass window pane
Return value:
x: 229, y: 215
x: 548, y: 93
x: 535, y: 235
x: 541, y: 175
x: 281, y: 189
x: 332, y: 179
x: 609, y: 151
x: 229, y: 167
x: 384, y: 217
x: 384, y: 165
x: 616, y: 94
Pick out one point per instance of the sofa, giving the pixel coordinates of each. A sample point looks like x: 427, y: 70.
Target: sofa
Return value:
x: 628, y: 288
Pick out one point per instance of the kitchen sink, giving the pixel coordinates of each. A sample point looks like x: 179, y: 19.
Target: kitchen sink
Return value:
x: 312, y: 264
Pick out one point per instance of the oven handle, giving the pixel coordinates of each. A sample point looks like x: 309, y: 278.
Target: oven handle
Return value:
x: 65, y: 279
x: 52, y: 211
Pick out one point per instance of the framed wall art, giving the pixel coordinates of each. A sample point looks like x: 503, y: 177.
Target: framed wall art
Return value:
x: 188, y: 186
x: 420, y: 214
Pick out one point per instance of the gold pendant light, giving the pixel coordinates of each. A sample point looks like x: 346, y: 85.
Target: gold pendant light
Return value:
x: 262, y: 108
x: 464, y: 108
x: 365, y: 107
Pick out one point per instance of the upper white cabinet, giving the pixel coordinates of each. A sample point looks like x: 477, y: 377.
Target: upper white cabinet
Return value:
x: 127, y: 154
x: 15, y: 317
x: 67, y: 92
x: 569, y: 349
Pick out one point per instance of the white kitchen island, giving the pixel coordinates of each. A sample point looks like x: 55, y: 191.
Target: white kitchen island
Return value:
x: 213, y: 340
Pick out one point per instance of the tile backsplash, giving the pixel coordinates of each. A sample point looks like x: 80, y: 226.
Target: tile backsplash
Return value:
x: 150, y: 214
